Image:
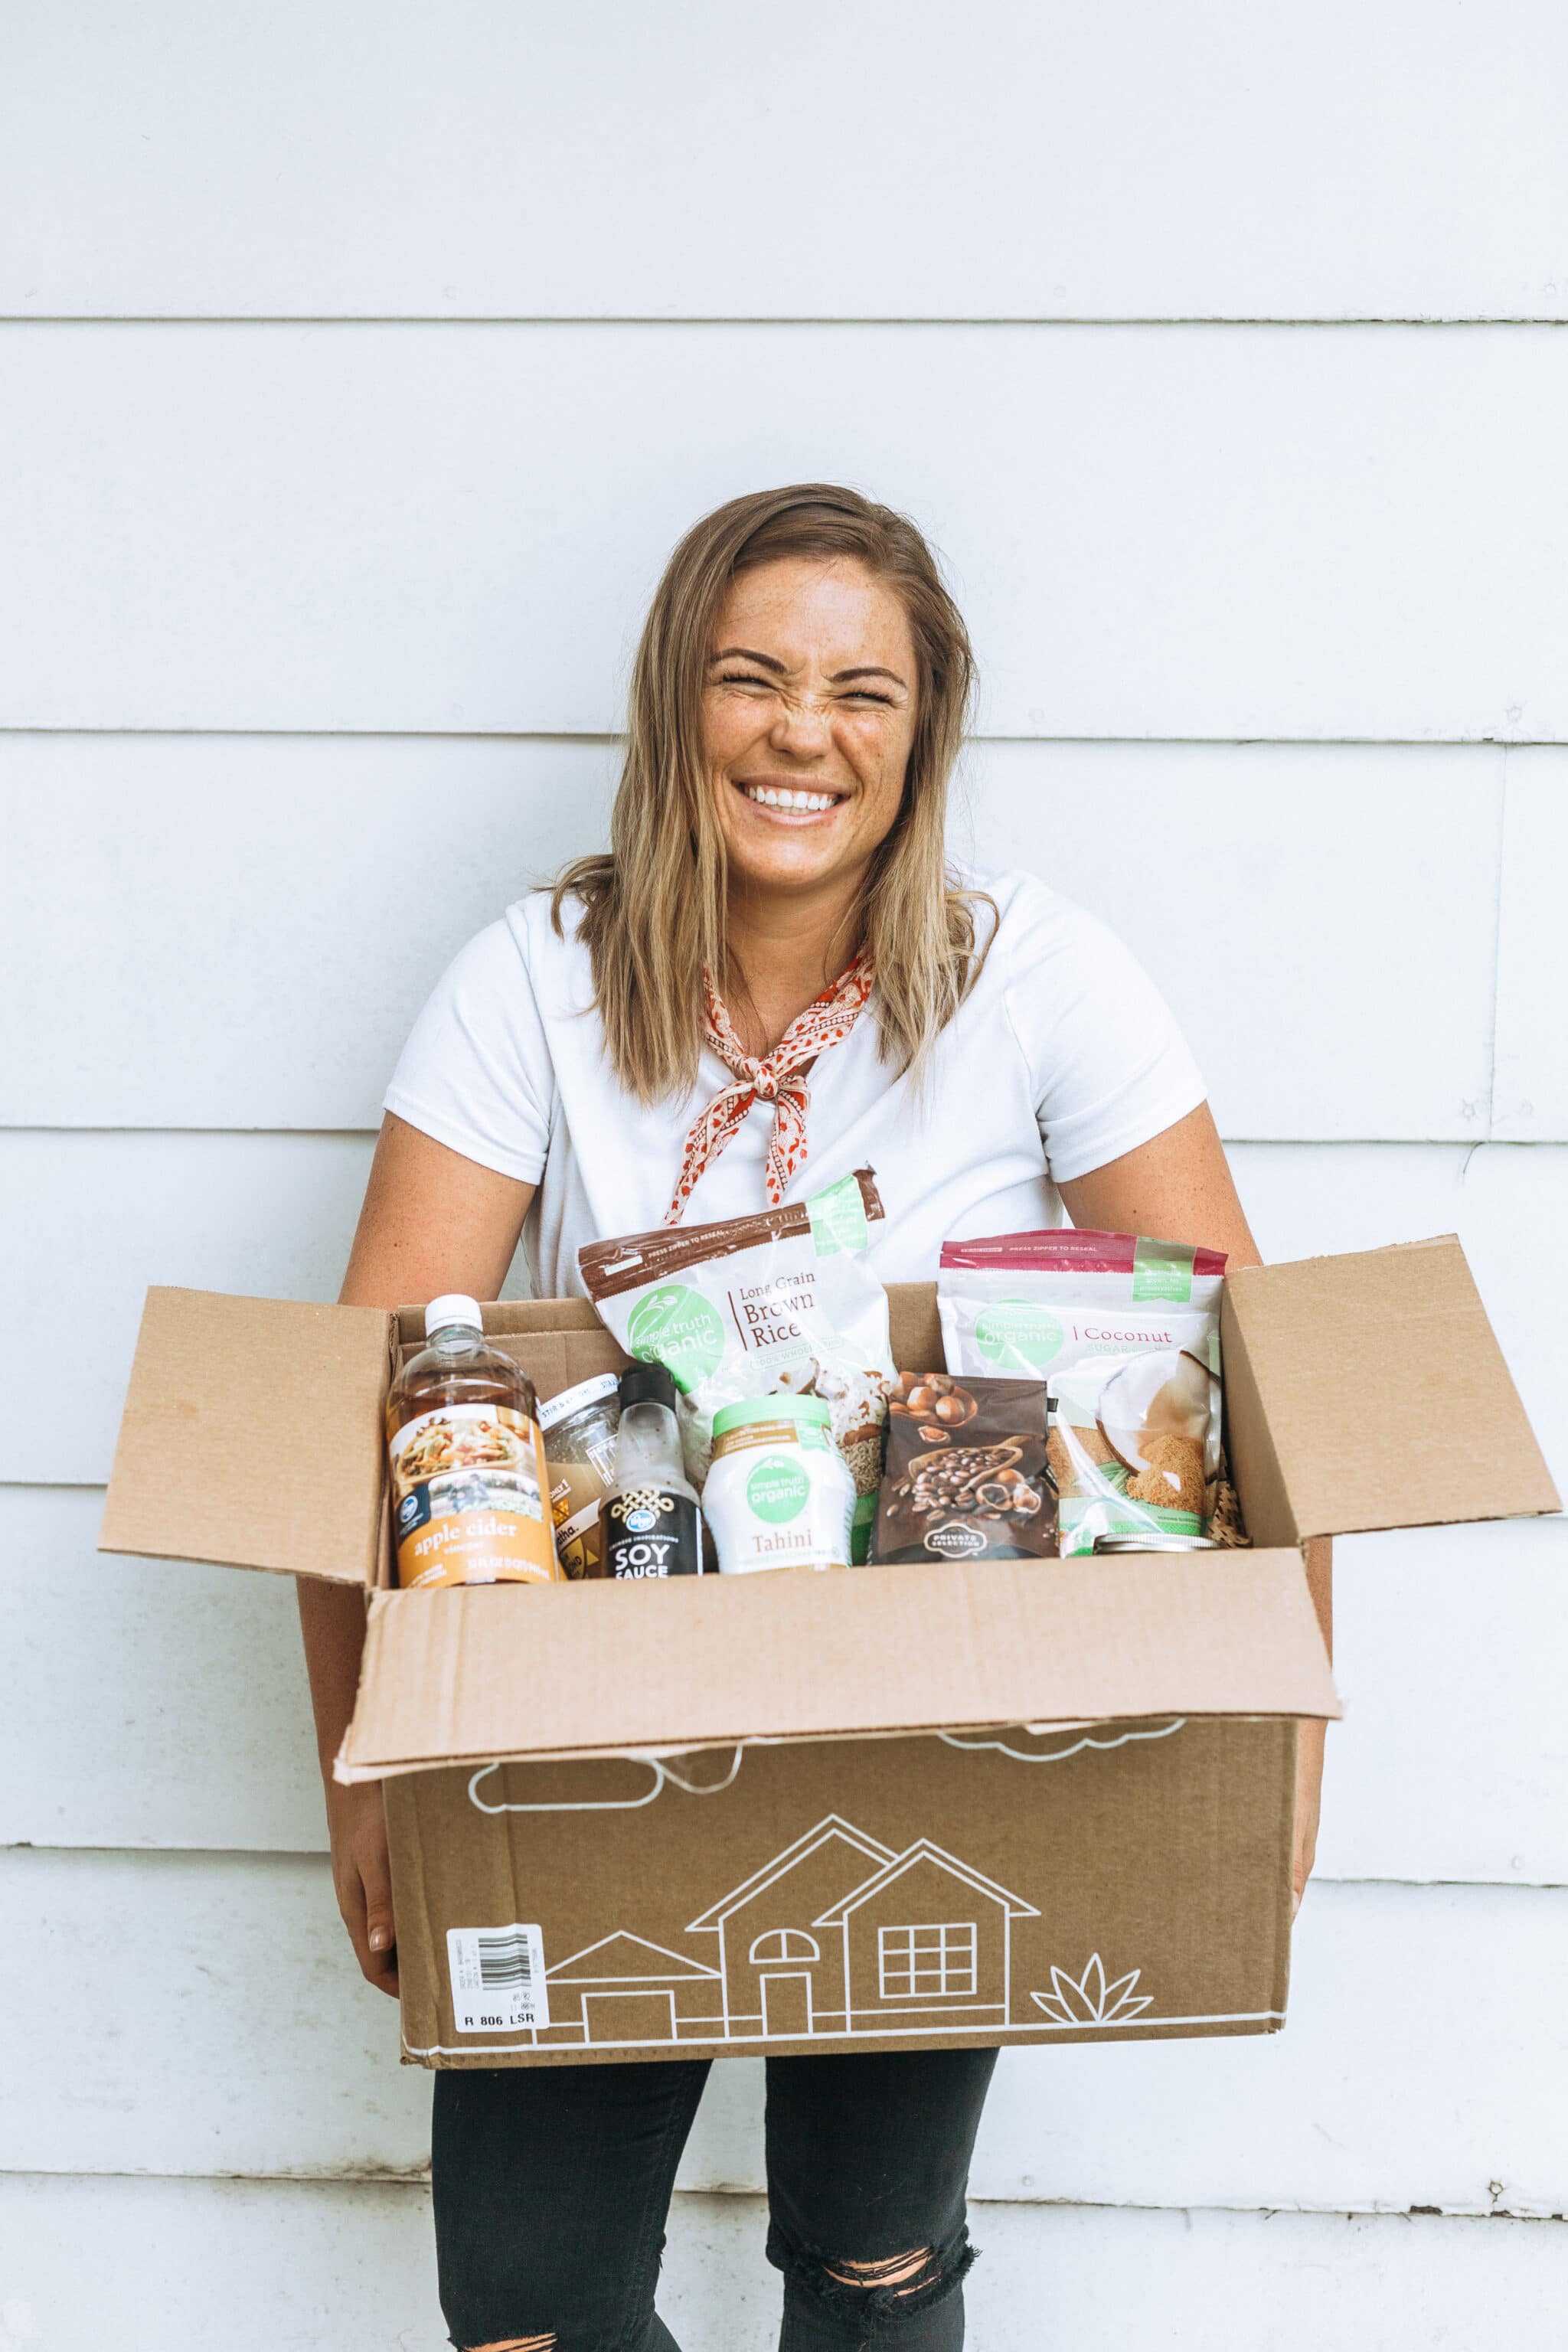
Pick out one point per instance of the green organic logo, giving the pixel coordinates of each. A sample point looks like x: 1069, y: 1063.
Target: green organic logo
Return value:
x: 837, y: 1219
x: 676, y: 1327
x: 1018, y: 1335
x: 1162, y: 1270
x: 777, y: 1489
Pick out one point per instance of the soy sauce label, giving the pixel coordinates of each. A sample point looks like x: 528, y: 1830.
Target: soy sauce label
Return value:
x: 467, y: 1500
x: 650, y: 1531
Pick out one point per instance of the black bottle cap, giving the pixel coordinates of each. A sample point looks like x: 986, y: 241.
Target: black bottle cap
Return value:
x: 648, y: 1384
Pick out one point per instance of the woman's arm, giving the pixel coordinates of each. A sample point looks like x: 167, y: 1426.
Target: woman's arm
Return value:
x: 1178, y: 1188
x: 432, y: 1221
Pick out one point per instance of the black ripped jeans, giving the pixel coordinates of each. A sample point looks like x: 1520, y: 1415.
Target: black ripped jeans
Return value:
x: 552, y: 2186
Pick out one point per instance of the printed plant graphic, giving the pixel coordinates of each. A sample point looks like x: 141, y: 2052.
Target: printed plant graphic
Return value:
x: 1091, y: 2001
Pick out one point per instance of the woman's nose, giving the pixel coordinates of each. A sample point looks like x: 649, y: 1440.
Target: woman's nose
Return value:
x: 800, y: 726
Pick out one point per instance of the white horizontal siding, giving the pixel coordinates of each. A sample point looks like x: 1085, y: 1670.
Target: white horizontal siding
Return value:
x: 109, y: 1213
x: 202, y: 2015
x: 148, y: 1703
x: 1504, y: 1202
x: 1452, y: 1760
x: 159, y: 1704
x: 1511, y: 1212
x: 1197, y: 532
x: 183, y: 2265
x: 447, y: 533
x: 285, y: 2266
x: 1397, y: 160
x: 256, y: 924
x: 1531, y: 1100
x: 196, y: 2013
x: 272, y: 984
x: 1282, y: 895
x: 1426, y: 2045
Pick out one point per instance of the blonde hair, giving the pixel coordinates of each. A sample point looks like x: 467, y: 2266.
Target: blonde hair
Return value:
x: 654, y: 908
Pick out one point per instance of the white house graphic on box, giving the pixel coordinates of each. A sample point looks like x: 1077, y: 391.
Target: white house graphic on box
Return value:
x: 836, y: 1935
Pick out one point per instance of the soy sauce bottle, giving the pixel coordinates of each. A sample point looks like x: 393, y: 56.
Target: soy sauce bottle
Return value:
x: 649, y: 1520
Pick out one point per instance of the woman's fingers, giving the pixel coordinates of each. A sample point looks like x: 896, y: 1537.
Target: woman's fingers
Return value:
x: 365, y: 1886
x: 377, y: 1942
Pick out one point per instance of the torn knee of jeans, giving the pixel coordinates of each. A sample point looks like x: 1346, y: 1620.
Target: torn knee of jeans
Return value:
x: 903, y: 2273
x: 545, y: 2343
x: 880, y: 2292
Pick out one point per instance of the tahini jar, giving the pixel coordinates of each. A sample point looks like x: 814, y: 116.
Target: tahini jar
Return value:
x: 779, y: 1493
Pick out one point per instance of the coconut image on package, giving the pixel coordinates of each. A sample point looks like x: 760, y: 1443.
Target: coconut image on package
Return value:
x: 780, y: 1303
x: 1125, y: 1332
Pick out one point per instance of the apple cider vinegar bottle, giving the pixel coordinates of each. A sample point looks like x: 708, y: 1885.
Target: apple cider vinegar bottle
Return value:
x: 469, y: 1492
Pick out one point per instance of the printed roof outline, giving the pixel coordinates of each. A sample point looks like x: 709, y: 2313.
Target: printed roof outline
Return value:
x: 830, y: 1825
x: 683, y: 1966
x: 924, y: 1850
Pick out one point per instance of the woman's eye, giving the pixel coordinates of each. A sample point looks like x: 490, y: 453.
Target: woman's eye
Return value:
x: 864, y: 694
x: 739, y: 678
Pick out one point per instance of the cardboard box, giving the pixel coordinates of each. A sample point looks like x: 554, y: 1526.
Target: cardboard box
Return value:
x: 899, y: 1807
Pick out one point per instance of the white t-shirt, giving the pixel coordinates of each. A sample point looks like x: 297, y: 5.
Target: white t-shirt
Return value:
x: 1063, y: 1056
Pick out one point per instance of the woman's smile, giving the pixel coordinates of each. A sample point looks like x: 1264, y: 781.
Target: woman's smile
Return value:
x: 780, y: 799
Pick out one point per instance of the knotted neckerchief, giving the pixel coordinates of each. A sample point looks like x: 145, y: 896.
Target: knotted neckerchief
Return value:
x: 778, y: 1078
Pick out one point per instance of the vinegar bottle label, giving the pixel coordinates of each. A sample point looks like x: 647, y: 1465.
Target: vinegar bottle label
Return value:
x: 469, y: 1501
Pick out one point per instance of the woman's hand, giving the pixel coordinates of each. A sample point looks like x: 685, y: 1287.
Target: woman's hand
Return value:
x: 362, y: 1878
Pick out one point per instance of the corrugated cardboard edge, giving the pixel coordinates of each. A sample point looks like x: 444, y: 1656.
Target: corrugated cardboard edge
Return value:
x: 960, y: 1648
x: 446, y: 2060
x: 416, y: 1933
x: 1253, y: 1460
x: 199, y: 1474
x: 357, y: 1775
x: 1391, y: 1403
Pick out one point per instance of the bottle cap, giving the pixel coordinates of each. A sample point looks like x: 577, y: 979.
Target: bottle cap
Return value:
x: 805, y: 1412
x: 452, y: 1307
x: 648, y: 1384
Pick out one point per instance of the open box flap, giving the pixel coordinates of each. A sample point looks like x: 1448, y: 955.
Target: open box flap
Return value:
x: 580, y: 1669
x: 1388, y: 1403
x: 517, y: 1318
x: 252, y: 1435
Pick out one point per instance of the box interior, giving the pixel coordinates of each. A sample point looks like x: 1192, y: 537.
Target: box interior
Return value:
x: 1362, y: 1391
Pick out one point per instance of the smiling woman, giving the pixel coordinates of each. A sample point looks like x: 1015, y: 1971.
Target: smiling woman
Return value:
x: 797, y: 705
x: 771, y: 978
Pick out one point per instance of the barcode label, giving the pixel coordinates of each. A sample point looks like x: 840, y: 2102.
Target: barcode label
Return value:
x: 498, y: 1978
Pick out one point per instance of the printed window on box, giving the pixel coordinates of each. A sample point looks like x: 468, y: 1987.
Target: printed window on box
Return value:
x: 926, y: 1959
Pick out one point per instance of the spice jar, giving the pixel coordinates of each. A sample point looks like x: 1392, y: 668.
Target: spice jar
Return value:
x: 579, y: 1429
x: 779, y: 1493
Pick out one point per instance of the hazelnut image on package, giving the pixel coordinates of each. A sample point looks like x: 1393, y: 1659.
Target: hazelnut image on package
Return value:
x: 971, y: 1482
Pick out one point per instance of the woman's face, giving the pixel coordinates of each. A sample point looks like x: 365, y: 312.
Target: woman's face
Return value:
x: 808, y: 718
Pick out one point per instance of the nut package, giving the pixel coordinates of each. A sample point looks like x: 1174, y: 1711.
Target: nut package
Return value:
x: 967, y: 1476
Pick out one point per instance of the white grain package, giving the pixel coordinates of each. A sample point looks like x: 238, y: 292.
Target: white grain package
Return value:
x: 780, y: 1302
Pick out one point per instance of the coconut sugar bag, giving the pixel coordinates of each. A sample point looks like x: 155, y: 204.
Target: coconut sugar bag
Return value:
x: 781, y: 1301
x: 1125, y: 1334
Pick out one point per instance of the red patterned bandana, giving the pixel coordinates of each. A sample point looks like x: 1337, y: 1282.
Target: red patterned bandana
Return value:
x: 780, y: 1079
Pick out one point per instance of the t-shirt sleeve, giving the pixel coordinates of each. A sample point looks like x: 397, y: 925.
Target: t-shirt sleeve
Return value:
x: 476, y: 1073
x: 1109, y: 1066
